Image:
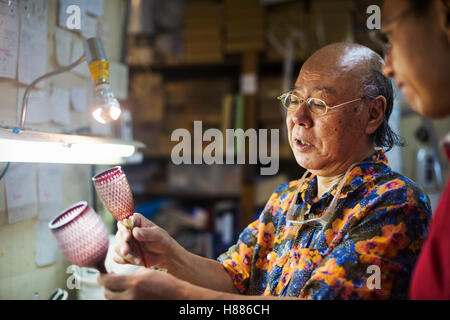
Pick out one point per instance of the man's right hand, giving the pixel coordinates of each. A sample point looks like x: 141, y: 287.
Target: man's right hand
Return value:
x: 158, y: 247
x: 163, y: 251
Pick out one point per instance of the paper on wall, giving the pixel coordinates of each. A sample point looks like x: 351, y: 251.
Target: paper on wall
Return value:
x: 78, y: 97
x: 103, y: 31
x: 89, y: 28
x: 21, y: 193
x: 94, y: 7
x: 77, y: 53
x: 60, y: 105
x: 9, y: 38
x: 63, y: 40
x: 38, y: 110
x: 49, y: 190
x: 32, y: 41
x: 46, y: 249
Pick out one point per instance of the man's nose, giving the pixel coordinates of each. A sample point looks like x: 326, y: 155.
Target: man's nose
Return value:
x: 388, y: 70
x: 301, y: 116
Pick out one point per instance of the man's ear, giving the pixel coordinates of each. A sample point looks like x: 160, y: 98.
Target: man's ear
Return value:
x: 377, y: 110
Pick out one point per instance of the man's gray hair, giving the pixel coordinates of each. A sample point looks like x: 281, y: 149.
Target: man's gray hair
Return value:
x: 376, y: 84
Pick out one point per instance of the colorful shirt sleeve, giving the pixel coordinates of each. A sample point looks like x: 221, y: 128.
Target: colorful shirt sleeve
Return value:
x: 257, y: 237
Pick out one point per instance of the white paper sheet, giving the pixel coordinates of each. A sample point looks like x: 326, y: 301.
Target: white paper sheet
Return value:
x: 38, y: 110
x: 94, y: 7
x: 103, y: 31
x: 89, y: 28
x: 50, y: 190
x: 78, y: 97
x: 60, y: 106
x: 9, y: 38
x: 32, y: 41
x: 78, y: 52
x: 119, y: 79
x: 63, y: 40
x: 21, y: 193
x: 46, y: 249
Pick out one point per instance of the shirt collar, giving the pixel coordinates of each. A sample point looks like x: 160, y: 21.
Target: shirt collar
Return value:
x: 357, y: 177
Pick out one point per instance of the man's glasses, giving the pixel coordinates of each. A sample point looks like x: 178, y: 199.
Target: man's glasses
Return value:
x: 292, y: 102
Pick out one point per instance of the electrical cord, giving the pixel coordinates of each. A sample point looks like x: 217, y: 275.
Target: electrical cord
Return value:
x: 5, y: 170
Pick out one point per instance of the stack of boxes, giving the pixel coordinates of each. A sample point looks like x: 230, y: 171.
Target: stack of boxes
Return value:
x: 202, y: 32
x: 244, y: 25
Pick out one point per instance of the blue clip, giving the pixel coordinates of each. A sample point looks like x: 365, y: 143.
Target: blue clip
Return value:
x: 16, y: 130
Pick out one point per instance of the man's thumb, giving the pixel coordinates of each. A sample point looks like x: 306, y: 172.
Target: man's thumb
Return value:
x: 140, y: 234
x: 141, y: 222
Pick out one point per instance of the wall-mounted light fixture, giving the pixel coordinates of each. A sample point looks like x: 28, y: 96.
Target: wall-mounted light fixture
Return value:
x: 21, y: 145
x: 106, y: 107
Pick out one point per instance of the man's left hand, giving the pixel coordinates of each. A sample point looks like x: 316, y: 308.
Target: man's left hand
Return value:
x: 145, y: 284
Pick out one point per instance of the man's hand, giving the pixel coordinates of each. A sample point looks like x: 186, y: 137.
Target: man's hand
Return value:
x: 156, y: 285
x: 158, y: 246
x: 162, y: 251
x: 143, y: 285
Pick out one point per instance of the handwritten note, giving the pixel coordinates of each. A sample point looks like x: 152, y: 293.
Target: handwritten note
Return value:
x: 63, y: 40
x: 21, y: 193
x: 60, y: 106
x: 50, y: 190
x: 9, y: 38
x: 46, y: 249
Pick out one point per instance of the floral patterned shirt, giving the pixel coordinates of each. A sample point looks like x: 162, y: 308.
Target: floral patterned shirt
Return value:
x: 367, y: 250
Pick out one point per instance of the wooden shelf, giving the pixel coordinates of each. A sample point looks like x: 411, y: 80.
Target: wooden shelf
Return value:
x: 218, y: 69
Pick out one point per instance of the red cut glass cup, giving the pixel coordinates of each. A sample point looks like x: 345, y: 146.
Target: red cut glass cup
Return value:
x: 115, y: 192
x: 82, y: 236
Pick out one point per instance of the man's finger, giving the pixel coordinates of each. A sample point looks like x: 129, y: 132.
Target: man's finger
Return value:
x: 125, y: 234
x: 140, y: 221
x: 152, y: 234
x: 112, y: 295
x: 113, y: 282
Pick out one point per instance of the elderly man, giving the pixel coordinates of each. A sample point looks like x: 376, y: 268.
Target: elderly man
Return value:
x: 422, y: 72
x: 350, y: 228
